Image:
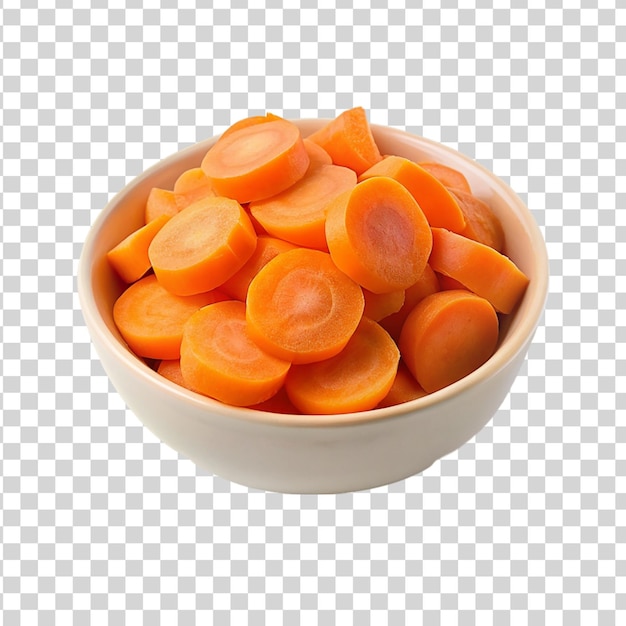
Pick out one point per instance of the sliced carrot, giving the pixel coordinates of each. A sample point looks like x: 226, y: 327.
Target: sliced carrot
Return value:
x: 160, y: 202
x: 447, y: 336
x: 219, y: 359
x: 190, y: 186
x: 302, y: 308
x: 425, y: 285
x: 439, y: 205
x: 446, y: 283
x: 479, y: 268
x: 129, y: 258
x: 404, y: 388
x: 266, y: 249
x: 446, y: 175
x: 349, y: 141
x: 298, y: 214
x: 202, y: 246
x: 356, y: 379
x: 381, y: 305
x: 151, y: 319
x: 317, y: 154
x: 170, y: 369
x: 378, y: 235
x: 278, y: 403
x: 257, y: 161
x: 481, y: 223
x: 253, y: 120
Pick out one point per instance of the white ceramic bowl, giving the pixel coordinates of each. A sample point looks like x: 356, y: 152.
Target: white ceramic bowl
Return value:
x: 313, y: 454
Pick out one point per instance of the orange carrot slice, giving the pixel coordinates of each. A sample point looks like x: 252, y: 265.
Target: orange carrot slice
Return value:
x: 481, y: 223
x: 439, y: 205
x: 301, y: 308
x: 349, y: 141
x: 130, y: 258
x: 404, y: 388
x: 378, y: 235
x: 447, y: 336
x: 257, y: 161
x: 446, y: 175
x: 381, y: 305
x: 317, y: 154
x: 479, y: 268
x: 278, y: 403
x: 266, y: 249
x: 249, y: 121
x: 151, y: 319
x: 190, y: 186
x: 298, y: 214
x: 218, y: 358
x: 160, y: 202
x: 202, y: 246
x: 170, y: 369
x: 425, y: 285
x: 356, y: 379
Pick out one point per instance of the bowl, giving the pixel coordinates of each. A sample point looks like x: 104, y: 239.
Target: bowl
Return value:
x: 313, y: 453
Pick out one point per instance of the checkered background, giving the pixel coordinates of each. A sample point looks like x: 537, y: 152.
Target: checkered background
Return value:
x: 100, y: 523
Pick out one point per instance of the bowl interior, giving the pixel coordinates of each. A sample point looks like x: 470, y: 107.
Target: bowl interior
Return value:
x: 99, y: 286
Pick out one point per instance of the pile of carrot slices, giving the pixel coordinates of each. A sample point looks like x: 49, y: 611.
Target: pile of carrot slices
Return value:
x: 314, y: 275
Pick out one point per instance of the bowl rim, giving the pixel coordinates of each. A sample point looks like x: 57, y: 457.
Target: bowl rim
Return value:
x: 516, y: 341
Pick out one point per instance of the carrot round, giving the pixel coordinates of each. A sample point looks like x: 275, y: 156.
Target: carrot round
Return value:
x: 298, y: 214
x: 266, y: 249
x: 378, y: 235
x: 190, y: 186
x: 446, y: 175
x: 160, y: 202
x: 151, y: 319
x: 404, y: 388
x: 257, y: 161
x: 202, y: 246
x: 317, y: 154
x: 481, y: 223
x: 130, y: 258
x: 348, y: 140
x: 302, y: 308
x: 381, y: 305
x: 425, y: 285
x: 447, y: 336
x: 356, y: 379
x: 218, y: 358
x: 170, y: 369
x: 479, y: 268
x: 438, y: 204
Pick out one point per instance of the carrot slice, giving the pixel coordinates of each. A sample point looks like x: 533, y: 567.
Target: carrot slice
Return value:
x: 302, y: 308
x: 170, y: 369
x: 378, y: 235
x: 404, y: 388
x: 160, y: 202
x: 250, y: 121
x: 151, y: 319
x: 202, y: 246
x: 356, y: 379
x: 298, y: 214
x: 130, y: 258
x: 425, y: 285
x: 349, y: 141
x: 218, y: 358
x: 481, y: 223
x: 447, y: 336
x: 381, y: 305
x: 317, y: 154
x: 446, y: 175
x: 257, y: 161
x: 278, y: 403
x: 479, y: 268
x: 439, y: 205
x: 190, y: 186
x: 266, y: 249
